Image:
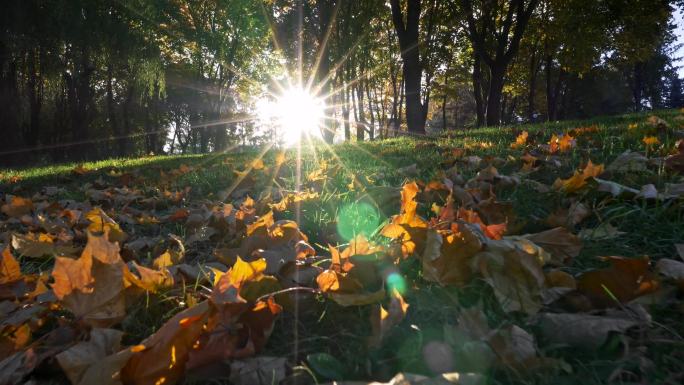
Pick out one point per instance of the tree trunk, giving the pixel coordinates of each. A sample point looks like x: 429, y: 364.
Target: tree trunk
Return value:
x: 111, y: 112
x: 477, y: 91
x: 361, y: 121
x: 534, y: 69
x: 408, y: 33
x: 496, y: 83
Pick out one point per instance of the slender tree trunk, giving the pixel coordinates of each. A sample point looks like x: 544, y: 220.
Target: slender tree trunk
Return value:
x: 125, y: 140
x: 553, y: 92
x: 477, y: 91
x: 534, y: 70
x: 371, y: 127
x: 111, y: 111
x: 35, y: 103
x: 361, y: 121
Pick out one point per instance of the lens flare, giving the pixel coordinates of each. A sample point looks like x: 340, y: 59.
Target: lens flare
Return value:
x: 357, y: 218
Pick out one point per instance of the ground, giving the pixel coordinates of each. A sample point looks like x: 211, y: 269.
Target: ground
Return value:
x: 320, y: 338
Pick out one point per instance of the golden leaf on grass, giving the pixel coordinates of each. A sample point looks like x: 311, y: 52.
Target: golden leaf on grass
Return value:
x: 563, y: 143
x: 168, y: 258
x: 149, y: 279
x: 624, y: 280
x: 521, y: 140
x: 409, y: 206
x: 102, y: 223
x: 16, y: 207
x: 92, y: 286
x: 650, y: 141
x: 353, y: 277
x: 579, y: 179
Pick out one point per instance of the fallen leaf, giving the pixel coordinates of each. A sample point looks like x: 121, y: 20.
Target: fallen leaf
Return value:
x: 584, y: 331
x: 92, y: 286
x: 9, y: 268
x: 97, y: 360
x: 162, y: 357
x: 671, y: 269
x: 624, y: 280
x: 258, y: 371
x: 382, y: 320
x: 559, y: 242
x: 16, y: 207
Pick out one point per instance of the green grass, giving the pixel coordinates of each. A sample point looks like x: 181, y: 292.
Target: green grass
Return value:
x: 649, y: 228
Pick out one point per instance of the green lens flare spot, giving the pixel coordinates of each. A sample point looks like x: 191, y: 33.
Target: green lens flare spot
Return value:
x: 396, y: 281
x: 357, y: 218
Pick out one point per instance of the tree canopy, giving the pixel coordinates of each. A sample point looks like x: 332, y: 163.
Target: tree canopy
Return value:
x: 86, y: 79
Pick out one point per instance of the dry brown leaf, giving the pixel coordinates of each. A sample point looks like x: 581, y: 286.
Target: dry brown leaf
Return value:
x: 92, y: 286
x: 162, y: 357
x: 258, y: 371
x: 448, y: 254
x: 672, y: 269
x: 16, y: 207
x: 383, y: 320
x: 97, y: 360
x: 513, y: 268
x: 624, y: 280
x: 569, y: 217
x: 38, y: 245
x: 581, y: 330
x: 9, y: 268
x: 559, y: 242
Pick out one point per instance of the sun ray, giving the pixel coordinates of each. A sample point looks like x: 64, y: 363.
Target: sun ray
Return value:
x: 323, y: 46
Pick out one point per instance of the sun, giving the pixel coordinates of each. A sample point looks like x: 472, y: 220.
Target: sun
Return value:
x: 297, y: 114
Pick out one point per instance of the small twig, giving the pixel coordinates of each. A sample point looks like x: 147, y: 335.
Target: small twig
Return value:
x: 298, y: 288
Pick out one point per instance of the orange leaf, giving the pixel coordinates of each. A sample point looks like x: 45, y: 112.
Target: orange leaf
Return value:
x: 624, y: 280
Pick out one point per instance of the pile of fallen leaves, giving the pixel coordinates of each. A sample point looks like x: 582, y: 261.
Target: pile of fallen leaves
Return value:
x: 233, y: 264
